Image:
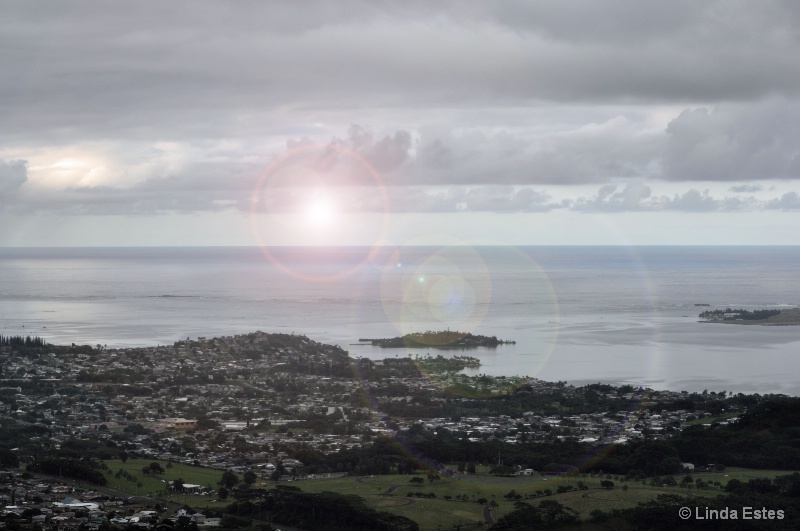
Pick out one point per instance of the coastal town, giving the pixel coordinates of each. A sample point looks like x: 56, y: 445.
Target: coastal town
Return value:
x: 257, y: 404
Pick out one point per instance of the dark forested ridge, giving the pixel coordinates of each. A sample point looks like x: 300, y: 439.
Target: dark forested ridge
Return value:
x: 767, y: 436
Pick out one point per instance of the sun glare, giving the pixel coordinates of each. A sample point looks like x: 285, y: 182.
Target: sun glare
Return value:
x: 320, y: 212
x: 71, y: 171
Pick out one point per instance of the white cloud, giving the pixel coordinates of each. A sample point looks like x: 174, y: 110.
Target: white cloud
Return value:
x: 789, y: 201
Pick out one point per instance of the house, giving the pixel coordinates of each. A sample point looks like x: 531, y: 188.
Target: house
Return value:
x: 184, y: 424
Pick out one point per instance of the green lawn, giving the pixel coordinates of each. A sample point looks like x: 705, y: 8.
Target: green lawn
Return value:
x: 140, y: 484
x: 742, y: 474
x: 435, y: 513
x: 711, y: 420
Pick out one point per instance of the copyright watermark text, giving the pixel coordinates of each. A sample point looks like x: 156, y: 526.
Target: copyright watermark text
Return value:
x: 743, y: 513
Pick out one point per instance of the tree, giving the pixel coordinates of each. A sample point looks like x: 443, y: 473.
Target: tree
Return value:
x: 656, y: 458
x: 229, y: 479
x: 548, y: 515
x: 553, y: 513
x: 279, y: 471
x: 8, y: 459
x: 184, y: 523
x: 502, y: 470
x: 250, y: 477
x: 177, y: 485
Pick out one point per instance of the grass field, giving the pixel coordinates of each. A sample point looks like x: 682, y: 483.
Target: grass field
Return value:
x: 742, y: 474
x: 434, y: 514
x: 137, y: 483
x: 711, y: 420
x: 391, y: 493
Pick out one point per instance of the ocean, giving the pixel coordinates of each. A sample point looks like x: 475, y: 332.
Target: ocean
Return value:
x: 577, y: 314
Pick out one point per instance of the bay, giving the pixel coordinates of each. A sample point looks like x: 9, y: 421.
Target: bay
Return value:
x: 578, y: 314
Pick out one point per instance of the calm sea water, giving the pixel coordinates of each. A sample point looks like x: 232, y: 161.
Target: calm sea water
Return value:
x: 580, y: 314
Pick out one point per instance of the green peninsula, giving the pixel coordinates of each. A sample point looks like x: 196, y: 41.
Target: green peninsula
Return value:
x: 442, y: 340
x: 773, y: 317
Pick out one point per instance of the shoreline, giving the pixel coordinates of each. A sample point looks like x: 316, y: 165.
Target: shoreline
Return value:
x: 789, y: 317
x: 750, y: 323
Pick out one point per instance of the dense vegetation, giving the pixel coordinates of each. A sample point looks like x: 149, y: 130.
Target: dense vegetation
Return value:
x: 21, y: 342
x: 327, y: 511
x: 766, y: 437
x: 755, y: 315
x: 440, y: 364
x: 548, y: 514
x: 441, y: 339
x: 780, y: 495
x: 70, y: 468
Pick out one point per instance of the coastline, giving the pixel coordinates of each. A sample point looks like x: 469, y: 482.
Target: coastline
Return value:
x: 751, y: 323
x: 785, y: 318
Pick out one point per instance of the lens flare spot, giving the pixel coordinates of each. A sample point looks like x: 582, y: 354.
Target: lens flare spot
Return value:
x: 315, y: 196
x: 320, y: 212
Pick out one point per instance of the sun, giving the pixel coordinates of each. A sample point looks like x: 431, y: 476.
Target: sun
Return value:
x: 319, y: 212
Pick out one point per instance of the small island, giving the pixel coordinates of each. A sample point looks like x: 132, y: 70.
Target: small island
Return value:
x: 772, y: 317
x: 442, y: 340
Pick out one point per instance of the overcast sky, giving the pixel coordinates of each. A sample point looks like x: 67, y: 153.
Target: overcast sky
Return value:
x: 365, y: 122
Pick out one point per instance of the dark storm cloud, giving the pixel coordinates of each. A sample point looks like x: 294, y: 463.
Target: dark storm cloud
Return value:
x: 93, y: 65
x: 595, y: 152
x: 499, y: 98
x: 680, y: 50
x: 735, y: 142
x: 385, y: 154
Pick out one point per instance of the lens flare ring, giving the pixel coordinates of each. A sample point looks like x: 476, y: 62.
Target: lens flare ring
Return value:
x: 294, y: 196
